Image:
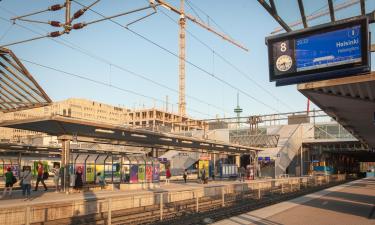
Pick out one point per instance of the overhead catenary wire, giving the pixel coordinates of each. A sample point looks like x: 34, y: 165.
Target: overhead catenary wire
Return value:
x: 187, y: 61
x: 231, y: 64
x: 103, y: 83
x: 86, y: 52
x: 6, y: 32
x: 192, y: 5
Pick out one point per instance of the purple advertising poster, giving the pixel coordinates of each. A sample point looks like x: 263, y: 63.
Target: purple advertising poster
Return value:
x: 155, y: 174
x: 134, y: 174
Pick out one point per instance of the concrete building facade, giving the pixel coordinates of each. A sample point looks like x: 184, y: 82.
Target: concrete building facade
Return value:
x: 152, y: 119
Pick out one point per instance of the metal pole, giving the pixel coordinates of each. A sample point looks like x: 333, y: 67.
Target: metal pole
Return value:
x: 196, y: 202
x: 109, y: 221
x: 67, y: 12
x: 161, y: 206
x: 259, y: 196
x: 19, y: 164
x: 63, y: 179
x: 222, y: 196
x: 301, y: 167
x: 27, y: 215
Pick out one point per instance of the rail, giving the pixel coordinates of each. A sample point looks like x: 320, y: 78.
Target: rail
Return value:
x: 156, y: 206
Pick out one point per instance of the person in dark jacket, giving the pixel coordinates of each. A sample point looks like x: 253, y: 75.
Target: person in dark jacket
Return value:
x: 40, y: 177
x: 185, y: 175
x: 9, y: 181
x: 78, y: 182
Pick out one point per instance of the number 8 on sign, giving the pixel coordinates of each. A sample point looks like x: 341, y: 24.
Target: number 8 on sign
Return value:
x: 283, y: 47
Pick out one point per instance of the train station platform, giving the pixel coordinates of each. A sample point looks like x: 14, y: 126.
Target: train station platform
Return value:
x: 350, y: 203
x: 160, y: 203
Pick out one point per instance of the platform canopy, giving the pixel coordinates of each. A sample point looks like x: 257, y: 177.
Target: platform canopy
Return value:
x: 300, y: 14
x: 67, y: 128
x: 350, y: 100
x: 18, y: 89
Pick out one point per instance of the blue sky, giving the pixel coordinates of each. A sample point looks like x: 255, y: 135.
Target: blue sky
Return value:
x: 245, y: 20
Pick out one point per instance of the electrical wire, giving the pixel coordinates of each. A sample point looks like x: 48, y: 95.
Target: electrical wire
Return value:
x: 86, y: 52
x: 192, y: 5
x: 187, y: 61
x: 6, y: 32
x: 231, y: 64
x: 87, y: 78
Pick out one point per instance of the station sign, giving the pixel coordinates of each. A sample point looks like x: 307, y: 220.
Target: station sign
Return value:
x: 324, y: 52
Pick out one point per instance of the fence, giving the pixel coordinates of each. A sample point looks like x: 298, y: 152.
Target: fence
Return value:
x: 154, y: 206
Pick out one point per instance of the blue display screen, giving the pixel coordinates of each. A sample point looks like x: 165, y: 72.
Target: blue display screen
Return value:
x: 333, y: 48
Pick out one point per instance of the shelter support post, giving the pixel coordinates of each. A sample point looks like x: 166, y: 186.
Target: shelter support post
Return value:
x: 65, y: 156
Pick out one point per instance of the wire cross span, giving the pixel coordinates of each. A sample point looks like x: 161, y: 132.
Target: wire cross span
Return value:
x: 68, y: 25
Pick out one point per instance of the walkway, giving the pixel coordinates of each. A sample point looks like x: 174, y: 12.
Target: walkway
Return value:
x: 351, y: 203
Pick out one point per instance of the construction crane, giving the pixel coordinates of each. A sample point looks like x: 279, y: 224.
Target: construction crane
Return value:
x: 68, y: 27
x: 182, y: 44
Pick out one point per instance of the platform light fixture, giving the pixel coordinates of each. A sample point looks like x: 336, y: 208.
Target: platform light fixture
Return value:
x: 104, y: 131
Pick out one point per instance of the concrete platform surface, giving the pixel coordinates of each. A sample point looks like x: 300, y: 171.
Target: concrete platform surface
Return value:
x: 351, y: 203
x: 42, y: 197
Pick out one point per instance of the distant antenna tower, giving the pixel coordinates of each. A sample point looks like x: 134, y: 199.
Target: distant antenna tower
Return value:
x: 238, y: 110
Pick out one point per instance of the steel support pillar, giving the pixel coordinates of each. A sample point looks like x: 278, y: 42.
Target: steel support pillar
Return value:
x: 65, y: 158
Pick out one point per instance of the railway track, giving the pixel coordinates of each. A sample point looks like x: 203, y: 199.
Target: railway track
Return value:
x: 184, y: 212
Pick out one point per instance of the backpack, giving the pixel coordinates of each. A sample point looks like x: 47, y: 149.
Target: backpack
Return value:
x: 168, y: 174
x: 14, y: 179
x: 45, y: 175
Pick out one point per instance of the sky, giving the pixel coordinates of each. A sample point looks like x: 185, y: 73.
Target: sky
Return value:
x: 138, y: 67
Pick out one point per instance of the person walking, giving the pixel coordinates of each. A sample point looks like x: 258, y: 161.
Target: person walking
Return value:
x: 26, y: 182
x: 10, y: 179
x: 40, y: 177
x: 203, y: 175
x: 168, y: 175
x: 56, y: 177
x: 185, y: 175
x: 78, y: 182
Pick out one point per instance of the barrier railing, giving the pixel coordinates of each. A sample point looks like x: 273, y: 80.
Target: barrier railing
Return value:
x: 162, y: 204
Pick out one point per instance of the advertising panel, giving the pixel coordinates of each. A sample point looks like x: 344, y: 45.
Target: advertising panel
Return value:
x: 90, y: 173
x: 134, y: 174
x: 149, y: 173
x: 204, y: 164
x: 126, y: 173
x: 1, y: 170
x: 141, y: 173
x: 156, y: 172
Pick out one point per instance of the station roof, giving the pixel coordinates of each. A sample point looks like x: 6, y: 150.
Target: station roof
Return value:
x: 299, y: 14
x: 18, y: 89
x: 87, y: 131
x: 350, y: 100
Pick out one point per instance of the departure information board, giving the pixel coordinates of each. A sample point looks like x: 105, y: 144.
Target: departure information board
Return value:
x: 325, y: 52
x: 329, y: 49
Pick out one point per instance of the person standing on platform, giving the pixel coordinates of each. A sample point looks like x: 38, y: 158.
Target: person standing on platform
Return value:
x: 168, y: 175
x: 203, y: 176
x: 40, y: 177
x: 26, y: 182
x: 100, y: 180
x: 78, y: 182
x: 56, y: 177
x: 185, y: 175
x: 242, y: 174
x: 9, y: 181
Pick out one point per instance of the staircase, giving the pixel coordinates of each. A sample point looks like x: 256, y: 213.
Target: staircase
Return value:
x: 289, y: 144
x: 180, y: 161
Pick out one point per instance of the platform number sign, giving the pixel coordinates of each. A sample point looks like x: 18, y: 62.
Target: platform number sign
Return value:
x: 283, y: 57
